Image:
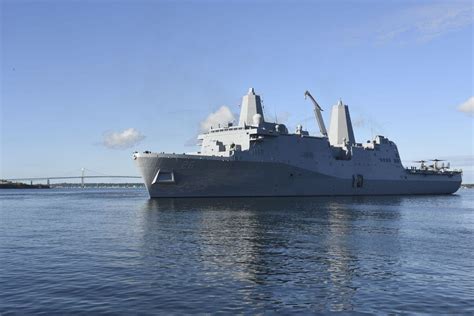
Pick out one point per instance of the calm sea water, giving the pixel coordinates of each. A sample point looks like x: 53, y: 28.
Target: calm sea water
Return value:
x: 96, y: 251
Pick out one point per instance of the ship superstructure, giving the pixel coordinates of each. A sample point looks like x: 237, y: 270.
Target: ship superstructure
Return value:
x: 260, y: 158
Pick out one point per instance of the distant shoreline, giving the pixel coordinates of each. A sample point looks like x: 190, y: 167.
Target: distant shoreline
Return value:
x: 97, y: 185
x: 19, y: 185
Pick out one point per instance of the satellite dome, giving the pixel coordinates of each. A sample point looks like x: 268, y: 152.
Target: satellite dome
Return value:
x: 257, y: 119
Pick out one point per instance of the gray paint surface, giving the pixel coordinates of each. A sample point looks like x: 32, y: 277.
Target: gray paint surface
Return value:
x: 340, y: 130
x: 258, y: 158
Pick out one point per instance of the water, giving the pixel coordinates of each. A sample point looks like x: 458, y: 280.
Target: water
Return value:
x: 95, y: 251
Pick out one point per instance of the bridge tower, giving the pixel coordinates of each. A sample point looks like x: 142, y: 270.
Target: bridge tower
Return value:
x: 82, y: 177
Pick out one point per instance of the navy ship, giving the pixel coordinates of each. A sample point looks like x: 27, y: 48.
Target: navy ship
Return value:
x: 259, y: 158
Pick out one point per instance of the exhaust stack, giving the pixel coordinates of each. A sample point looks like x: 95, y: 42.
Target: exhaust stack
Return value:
x: 251, y: 105
x: 340, y: 130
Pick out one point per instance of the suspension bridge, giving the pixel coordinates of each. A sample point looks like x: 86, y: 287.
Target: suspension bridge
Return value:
x: 82, y: 177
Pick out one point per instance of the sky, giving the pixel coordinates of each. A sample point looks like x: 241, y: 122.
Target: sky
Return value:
x: 86, y: 83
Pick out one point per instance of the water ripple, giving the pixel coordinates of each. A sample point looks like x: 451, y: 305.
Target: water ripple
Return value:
x: 116, y: 251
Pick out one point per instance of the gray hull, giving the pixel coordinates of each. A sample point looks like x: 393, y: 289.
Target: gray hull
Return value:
x: 197, y: 176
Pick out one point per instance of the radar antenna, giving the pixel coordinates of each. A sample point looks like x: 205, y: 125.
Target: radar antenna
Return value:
x: 317, y: 113
x: 435, y: 165
x: 422, y: 162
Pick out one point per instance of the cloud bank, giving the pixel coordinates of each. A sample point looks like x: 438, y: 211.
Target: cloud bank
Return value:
x: 222, y: 116
x: 467, y: 107
x: 122, y: 140
x: 426, y: 22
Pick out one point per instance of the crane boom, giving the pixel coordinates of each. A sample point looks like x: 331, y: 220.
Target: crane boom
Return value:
x: 317, y: 113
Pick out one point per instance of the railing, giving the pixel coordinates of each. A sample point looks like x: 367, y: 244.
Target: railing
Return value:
x: 433, y: 172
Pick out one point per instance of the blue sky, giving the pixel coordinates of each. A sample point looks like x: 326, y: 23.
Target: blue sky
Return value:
x: 76, y: 74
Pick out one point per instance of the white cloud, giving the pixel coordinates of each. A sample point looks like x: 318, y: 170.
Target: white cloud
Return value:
x: 426, y: 22
x: 282, y: 117
x: 222, y: 116
x: 359, y: 122
x: 121, y: 140
x: 467, y: 107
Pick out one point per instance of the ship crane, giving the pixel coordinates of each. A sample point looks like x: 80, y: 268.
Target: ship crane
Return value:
x: 317, y: 113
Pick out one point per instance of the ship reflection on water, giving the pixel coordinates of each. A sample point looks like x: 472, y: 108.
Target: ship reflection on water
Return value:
x: 315, y: 253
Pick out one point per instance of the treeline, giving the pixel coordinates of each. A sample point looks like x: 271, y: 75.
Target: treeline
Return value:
x: 98, y: 185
